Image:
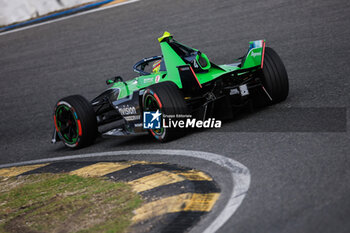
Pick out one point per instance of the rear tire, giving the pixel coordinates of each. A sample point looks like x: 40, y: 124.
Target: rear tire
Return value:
x: 75, y: 121
x: 168, y: 99
x: 275, y: 79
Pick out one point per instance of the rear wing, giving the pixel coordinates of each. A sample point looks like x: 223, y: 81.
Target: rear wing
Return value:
x: 255, y: 55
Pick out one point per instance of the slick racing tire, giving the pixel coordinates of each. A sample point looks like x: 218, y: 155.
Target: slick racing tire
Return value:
x: 75, y: 121
x: 275, y: 79
x: 166, y: 98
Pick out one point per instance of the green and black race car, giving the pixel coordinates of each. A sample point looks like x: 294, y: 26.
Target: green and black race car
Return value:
x: 181, y: 81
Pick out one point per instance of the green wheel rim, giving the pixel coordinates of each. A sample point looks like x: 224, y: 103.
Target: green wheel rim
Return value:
x: 67, y: 124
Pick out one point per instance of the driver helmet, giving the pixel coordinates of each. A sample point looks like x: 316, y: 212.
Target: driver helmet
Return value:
x: 156, y: 66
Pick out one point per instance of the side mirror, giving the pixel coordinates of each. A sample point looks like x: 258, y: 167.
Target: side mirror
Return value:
x: 203, y: 61
x: 109, y: 81
x: 114, y: 80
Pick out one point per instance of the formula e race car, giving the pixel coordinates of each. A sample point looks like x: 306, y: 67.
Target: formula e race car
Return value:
x: 181, y: 82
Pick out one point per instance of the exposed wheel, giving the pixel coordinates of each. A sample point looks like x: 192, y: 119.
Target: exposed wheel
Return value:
x: 75, y: 121
x: 167, y: 98
x: 275, y: 79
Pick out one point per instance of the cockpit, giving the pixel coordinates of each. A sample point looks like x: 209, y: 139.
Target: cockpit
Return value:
x: 198, y: 60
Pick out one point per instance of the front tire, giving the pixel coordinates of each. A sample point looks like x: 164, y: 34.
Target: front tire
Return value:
x: 75, y: 121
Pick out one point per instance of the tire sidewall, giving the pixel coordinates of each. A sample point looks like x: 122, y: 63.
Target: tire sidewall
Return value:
x: 148, y: 92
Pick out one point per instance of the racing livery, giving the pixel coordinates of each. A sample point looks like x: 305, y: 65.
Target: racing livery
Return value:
x: 180, y: 81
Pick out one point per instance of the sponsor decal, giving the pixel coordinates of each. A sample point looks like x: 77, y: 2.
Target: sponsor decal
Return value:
x: 147, y: 80
x: 255, y: 54
x: 244, y: 90
x: 234, y: 91
x: 127, y: 110
x: 184, y: 68
x: 132, y: 118
x: 157, y: 79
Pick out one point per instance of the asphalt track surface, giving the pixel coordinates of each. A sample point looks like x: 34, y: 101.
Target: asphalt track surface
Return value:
x: 299, y: 176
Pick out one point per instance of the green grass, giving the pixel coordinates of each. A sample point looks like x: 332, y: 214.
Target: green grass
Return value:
x: 65, y: 203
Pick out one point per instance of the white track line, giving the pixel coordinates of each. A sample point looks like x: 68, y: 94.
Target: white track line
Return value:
x: 239, y: 173
x: 68, y: 17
